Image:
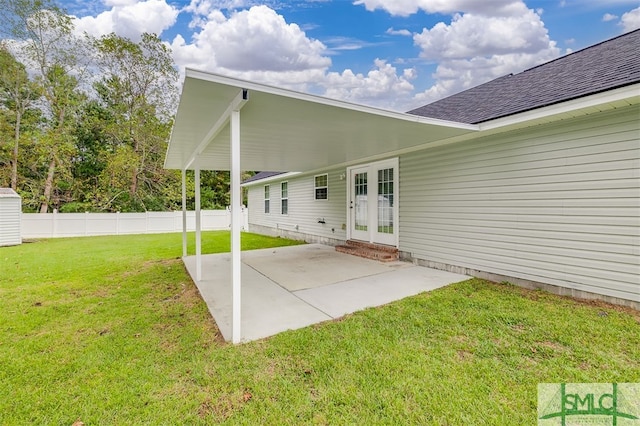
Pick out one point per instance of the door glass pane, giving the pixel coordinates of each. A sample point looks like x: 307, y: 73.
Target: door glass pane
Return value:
x: 385, y: 201
x: 360, y: 191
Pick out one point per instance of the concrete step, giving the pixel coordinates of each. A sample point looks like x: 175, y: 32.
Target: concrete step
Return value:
x: 369, y: 251
x: 378, y: 247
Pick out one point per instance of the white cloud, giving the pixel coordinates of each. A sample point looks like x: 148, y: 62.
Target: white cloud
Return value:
x: 255, y: 44
x: 456, y: 75
x: 475, y: 47
x: 631, y: 20
x: 130, y: 18
x: 472, y: 35
x: 381, y: 86
x: 259, y: 45
x: 119, y: 2
x: 609, y: 17
x: 483, y: 40
x: 345, y: 43
x: 403, y: 32
x: 409, y: 7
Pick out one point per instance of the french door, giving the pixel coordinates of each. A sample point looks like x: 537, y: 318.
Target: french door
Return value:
x: 373, y: 202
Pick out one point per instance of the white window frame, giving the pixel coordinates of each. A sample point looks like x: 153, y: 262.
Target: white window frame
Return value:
x: 267, y: 199
x: 283, y: 198
x: 316, y: 187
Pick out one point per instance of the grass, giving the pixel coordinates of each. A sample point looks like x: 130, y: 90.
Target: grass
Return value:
x: 110, y: 330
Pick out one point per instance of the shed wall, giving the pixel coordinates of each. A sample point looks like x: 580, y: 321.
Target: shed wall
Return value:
x: 10, y: 211
x: 304, y: 210
x: 556, y: 204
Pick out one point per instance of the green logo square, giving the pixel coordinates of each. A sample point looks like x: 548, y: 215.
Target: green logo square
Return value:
x: 569, y: 404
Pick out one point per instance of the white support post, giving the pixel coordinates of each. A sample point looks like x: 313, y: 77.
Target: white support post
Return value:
x: 236, y: 224
x: 184, y: 212
x: 198, y: 233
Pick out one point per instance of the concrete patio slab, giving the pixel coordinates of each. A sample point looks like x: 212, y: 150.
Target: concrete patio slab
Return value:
x: 313, y: 265
x: 266, y: 307
x: 354, y: 295
x: 286, y: 288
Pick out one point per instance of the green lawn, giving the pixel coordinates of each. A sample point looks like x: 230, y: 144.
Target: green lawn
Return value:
x: 110, y: 330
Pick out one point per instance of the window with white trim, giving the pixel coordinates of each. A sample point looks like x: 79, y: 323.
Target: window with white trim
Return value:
x: 266, y: 199
x: 321, y: 186
x: 284, y: 198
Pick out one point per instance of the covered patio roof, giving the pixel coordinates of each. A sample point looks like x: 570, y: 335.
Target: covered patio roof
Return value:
x: 286, y: 130
x: 228, y: 124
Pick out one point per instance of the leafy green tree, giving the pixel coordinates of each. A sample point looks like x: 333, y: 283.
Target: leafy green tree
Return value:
x: 44, y: 34
x: 17, y: 95
x: 139, y: 88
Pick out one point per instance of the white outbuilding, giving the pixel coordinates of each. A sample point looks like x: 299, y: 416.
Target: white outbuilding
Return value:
x: 10, y: 211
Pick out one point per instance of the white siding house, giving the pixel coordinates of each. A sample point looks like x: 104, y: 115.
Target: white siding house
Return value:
x: 556, y: 204
x: 316, y: 220
x: 552, y: 204
x: 10, y: 211
x: 531, y: 178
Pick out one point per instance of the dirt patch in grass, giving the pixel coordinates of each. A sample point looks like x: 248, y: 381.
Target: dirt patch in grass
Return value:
x: 536, y: 294
x: 103, y: 292
x: 606, y: 307
x: 552, y: 345
x: 186, y: 303
x: 225, y: 406
x: 464, y: 355
x: 190, y: 296
x: 148, y: 265
x: 519, y: 328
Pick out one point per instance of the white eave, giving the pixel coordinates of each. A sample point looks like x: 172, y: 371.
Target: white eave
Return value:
x: 286, y: 130
x: 266, y: 180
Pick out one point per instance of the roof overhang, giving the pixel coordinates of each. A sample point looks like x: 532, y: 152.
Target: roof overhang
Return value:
x: 286, y: 130
x: 598, y: 102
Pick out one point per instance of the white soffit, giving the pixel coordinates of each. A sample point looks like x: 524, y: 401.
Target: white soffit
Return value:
x: 286, y: 130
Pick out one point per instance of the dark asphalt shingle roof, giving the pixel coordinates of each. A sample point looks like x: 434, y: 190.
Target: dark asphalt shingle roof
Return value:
x: 608, y: 65
x: 262, y: 175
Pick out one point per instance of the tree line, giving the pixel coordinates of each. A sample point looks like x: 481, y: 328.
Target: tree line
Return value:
x: 85, y: 121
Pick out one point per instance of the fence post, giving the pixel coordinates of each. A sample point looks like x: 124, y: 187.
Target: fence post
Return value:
x: 245, y: 218
x: 117, y: 223
x: 86, y: 223
x: 54, y: 225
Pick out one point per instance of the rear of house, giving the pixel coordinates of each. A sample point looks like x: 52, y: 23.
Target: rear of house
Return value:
x: 546, y: 194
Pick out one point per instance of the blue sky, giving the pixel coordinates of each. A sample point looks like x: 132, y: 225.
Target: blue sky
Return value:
x: 395, y: 54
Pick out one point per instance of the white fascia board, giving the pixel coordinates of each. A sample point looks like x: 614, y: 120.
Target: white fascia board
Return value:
x: 216, y: 78
x: 270, y: 179
x: 603, y: 98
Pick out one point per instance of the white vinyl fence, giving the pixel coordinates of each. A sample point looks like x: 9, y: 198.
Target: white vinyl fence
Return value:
x: 51, y: 225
